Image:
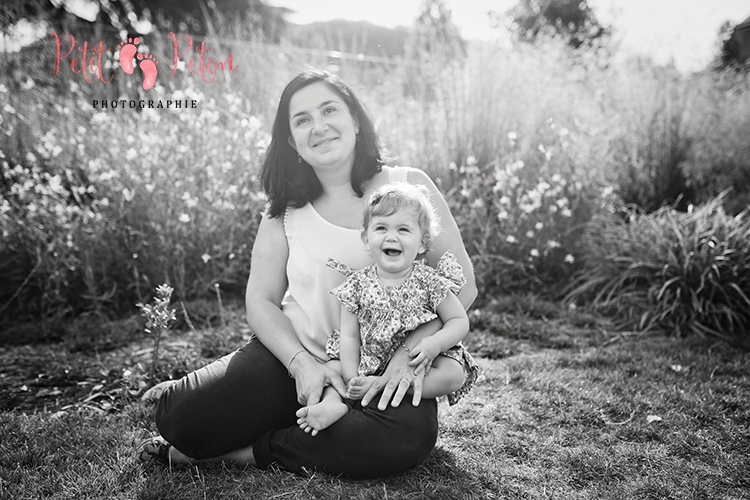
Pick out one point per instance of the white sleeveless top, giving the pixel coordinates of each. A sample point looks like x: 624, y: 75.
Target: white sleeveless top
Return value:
x: 308, y: 303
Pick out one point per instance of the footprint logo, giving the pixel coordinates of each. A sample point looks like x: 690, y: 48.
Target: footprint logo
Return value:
x: 147, y: 62
x: 148, y: 66
x: 127, y: 50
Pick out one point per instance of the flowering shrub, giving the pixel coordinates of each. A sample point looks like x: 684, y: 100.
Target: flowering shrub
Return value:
x: 101, y: 209
x: 521, y: 219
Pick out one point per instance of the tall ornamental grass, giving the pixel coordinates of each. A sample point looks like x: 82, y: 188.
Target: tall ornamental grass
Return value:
x: 679, y: 272
x: 528, y: 143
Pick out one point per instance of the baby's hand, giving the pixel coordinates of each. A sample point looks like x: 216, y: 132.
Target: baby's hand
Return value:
x: 424, y: 353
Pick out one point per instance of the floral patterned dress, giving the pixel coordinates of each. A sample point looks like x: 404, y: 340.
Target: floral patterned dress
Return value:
x: 387, y: 314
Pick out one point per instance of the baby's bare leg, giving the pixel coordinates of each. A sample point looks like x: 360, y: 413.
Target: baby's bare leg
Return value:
x: 319, y: 416
x: 445, y: 376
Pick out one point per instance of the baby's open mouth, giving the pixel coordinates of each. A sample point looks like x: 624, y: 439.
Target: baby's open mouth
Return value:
x: 392, y: 252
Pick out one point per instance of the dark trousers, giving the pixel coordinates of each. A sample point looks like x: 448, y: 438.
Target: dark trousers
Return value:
x: 248, y: 398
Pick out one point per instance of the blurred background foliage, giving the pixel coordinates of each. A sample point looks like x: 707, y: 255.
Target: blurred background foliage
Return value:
x: 548, y: 152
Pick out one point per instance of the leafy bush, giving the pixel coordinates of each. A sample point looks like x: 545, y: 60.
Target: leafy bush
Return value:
x: 683, y: 273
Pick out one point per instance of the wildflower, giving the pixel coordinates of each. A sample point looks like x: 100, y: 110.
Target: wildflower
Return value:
x: 538, y: 226
x: 529, y: 234
x: 504, y: 200
x: 566, y: 212
x: 569, y: 259
x: 184, y: 218
x: 553, y: 244
x: 534, y: 252
x: 502, y: 215
x: 205, y: 257
x: 511, y: 239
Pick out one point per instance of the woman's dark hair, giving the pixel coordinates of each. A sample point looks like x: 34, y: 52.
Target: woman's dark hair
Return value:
x: 288, y: 182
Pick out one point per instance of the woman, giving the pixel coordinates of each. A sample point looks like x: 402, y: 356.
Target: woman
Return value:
x: 323, y: 158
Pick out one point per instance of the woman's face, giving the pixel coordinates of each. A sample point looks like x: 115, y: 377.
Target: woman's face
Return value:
x: 324, y: 132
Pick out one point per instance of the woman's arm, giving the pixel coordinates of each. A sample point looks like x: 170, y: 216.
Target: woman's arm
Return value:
x: 265, y: 289
x: 349, y: 344
x: 448, y: 239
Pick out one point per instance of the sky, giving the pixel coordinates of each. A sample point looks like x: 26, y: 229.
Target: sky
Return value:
x: 683, y: 31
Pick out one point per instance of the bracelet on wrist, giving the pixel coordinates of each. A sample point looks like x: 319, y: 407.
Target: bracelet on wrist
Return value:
x: 403, y: 344
x: 289, y: 364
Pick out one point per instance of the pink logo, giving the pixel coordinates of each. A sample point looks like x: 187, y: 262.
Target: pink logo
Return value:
x: 147, y: 63
x: 88, y: 61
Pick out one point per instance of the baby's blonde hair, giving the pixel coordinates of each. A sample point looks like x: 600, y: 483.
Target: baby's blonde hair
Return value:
x: 390, y: 198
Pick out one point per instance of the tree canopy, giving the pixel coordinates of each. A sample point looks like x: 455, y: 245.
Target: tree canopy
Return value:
x: 572, y: 19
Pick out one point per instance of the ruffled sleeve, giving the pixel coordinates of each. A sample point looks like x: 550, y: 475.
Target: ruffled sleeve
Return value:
x: 349, y: 292
x: 339, y: 266
x: 447, y: 276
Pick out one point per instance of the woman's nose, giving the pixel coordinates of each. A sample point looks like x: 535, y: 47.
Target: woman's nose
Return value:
x: 320, y: 126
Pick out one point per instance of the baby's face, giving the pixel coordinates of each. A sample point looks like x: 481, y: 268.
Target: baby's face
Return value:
x: 394, y: 240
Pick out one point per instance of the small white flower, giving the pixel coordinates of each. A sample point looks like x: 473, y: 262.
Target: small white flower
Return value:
x: 184, y: 218
x: 529, y: 234
x: 565, y: 212
x: 534, y: 252
x: 538, y: 226
x: 205, y: 257
x: 553, y: 244
x: 570, y: 259
x: 502, y: 215
x: 511, y: 239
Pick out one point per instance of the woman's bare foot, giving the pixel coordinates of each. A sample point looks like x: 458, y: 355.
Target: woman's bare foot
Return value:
x: 317, y: 417
x: 358, y: 386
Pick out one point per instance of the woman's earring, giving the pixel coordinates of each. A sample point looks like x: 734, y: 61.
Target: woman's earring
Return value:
x: 299, y: 159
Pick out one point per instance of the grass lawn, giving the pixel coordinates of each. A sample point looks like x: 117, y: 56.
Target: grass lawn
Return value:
x: 564, y: 408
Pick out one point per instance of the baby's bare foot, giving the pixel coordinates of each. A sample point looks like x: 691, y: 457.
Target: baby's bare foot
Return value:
x: 358, y: 386
x: 317, y: 417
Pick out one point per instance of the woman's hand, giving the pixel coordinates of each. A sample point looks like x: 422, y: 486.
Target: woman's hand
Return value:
x: 398, y: 376
x: 312, y: 377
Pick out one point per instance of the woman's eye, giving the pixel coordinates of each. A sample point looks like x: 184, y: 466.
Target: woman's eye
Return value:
x: 301, y: 121
x: 329, y: 110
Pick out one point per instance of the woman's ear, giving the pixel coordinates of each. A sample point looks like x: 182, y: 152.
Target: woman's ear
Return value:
x: 291, y: 142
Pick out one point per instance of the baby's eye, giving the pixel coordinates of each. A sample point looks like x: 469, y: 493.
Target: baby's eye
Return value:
x: 379, y: 228
x: 405, y: 230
